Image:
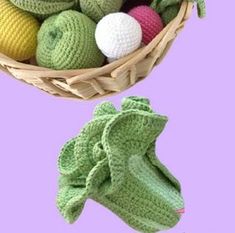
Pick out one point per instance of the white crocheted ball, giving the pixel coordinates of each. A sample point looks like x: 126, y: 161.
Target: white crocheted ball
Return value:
x: 118, y: 35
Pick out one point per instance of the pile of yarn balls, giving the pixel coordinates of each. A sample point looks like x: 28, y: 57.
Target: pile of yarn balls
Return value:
x: 79, y: 34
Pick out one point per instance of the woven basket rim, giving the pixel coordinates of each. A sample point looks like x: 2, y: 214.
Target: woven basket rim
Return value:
x: 33, y: 73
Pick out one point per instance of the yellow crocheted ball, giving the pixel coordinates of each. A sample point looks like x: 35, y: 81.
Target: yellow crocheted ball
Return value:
x: 18, y: 32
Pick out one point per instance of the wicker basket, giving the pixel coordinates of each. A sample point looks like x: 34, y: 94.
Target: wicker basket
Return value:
x: 107, y: 80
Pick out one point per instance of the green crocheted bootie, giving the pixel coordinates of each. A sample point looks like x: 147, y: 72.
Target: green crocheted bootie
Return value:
x: 44, y: 8
x: 113, y: 162
x: 97, y: 9
x: 67, y: 41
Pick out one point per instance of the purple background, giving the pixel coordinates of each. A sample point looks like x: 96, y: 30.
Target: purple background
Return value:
x: 194, y: 87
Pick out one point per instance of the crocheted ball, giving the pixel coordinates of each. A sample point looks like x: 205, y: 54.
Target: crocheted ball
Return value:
x: 18, y: 32
x: 97, y: 9
x: 118, y: 35
x: 170, y: 13
x: 130, y: 4
x: 150, y: 21
x: 45, y: 8
x: 67, y: 41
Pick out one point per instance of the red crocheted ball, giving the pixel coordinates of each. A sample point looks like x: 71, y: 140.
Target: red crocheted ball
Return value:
x: 150, y: 21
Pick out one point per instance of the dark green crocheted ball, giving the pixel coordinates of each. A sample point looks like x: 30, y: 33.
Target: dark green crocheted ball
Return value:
x: 97, y: 9
x: 170, y: 13
x: 45, y: 8
x: 67, y: 41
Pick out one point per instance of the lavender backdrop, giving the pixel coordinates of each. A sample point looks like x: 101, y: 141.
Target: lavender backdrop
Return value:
x: 194, y: 86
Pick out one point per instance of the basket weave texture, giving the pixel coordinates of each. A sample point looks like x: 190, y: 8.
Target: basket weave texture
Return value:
x: 103, y: 81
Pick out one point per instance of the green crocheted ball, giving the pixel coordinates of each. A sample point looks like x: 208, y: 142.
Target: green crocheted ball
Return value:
x: 170, y: 13
x: 67, y: 41
x: 113, y: 162
x: 97, y: 9
x: 45, y: 8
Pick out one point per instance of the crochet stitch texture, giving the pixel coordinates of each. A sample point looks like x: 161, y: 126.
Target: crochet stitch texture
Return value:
x: 67, y: 41
x: 149, y: 20
x: 44, y: 8
x: 118, y: 35
x: 113, y: 162
x: 170, y: 13
x: 161, y: 5
x: 97, y: 9
x: 18, y: 32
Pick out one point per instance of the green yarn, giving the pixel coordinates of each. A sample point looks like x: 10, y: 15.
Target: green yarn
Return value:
x: 97, y: 9
x: 113, y: 162
x: 170, y: 13
x: 45, y: 8
x: 67, y: 41
x: 201, y: 7
x: 161, y: 5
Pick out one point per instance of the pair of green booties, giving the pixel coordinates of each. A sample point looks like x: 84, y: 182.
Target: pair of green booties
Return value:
x: 113, y: 162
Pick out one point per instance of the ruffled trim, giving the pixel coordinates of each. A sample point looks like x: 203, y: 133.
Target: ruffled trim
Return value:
x: 96, y: 161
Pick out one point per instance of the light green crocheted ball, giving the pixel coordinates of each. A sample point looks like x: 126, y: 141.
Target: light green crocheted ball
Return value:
x: 45, y: 8
x: 97, y: 9
x: 67, y: 41
x: 113, y: 162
